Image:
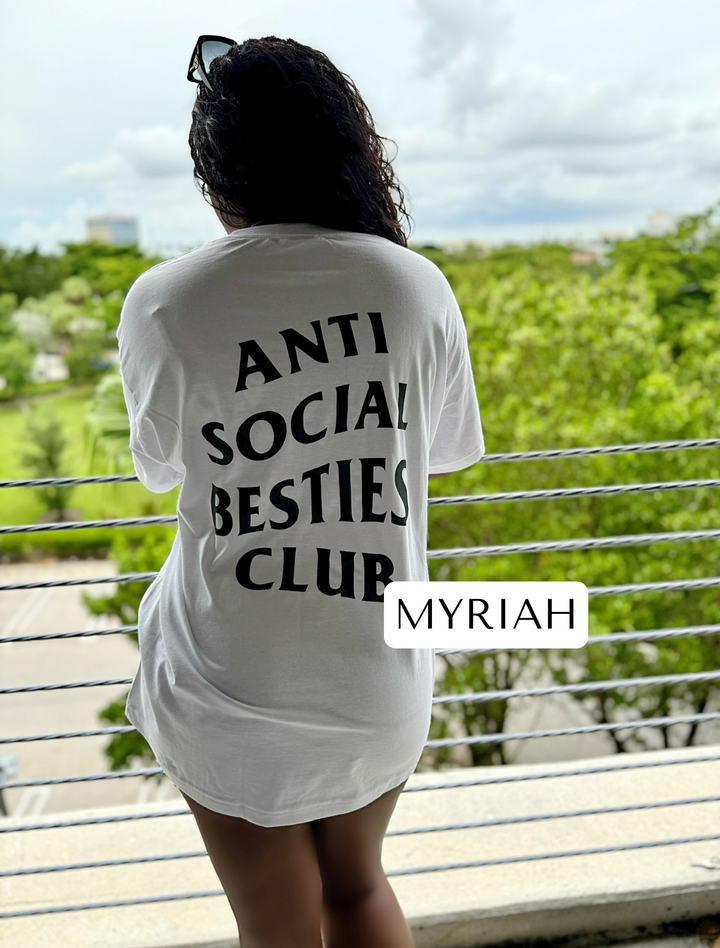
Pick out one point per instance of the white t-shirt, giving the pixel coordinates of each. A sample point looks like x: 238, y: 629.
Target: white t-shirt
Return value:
x: 301, y: 383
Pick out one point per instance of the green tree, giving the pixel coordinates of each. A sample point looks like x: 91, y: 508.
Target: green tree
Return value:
x: 16, y: 356
x: 561, y: 363
x: 48, y: 445
x: 547, y: 260
x: 85, y: 358
x: 678, y: 266
x: 30, y: 273
x: 75, y: 322
x: 106, y: 267
x: 16, y: 359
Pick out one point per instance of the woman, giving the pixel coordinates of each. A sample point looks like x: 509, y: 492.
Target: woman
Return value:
x: 300, y: 377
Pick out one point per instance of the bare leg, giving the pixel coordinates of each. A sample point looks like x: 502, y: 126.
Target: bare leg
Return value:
x: 270, y: 876
x: 360, y: 909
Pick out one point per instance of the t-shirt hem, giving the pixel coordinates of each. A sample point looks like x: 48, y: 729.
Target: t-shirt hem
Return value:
x: 459, y: 463
x: 296, y: 814
x: 302, y: 814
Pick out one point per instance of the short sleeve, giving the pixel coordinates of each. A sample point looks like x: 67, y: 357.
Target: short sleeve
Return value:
x: 149, y: 389
x: 458, y: 440
x: 151, y: 466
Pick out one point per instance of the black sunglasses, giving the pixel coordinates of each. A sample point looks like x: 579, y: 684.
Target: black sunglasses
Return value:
x: 206, y: 50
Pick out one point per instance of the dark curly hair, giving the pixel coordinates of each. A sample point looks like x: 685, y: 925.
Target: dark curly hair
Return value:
x: 285, y: 137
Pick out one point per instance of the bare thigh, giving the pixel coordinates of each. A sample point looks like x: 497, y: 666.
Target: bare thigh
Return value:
x: 277, y: 878
x: 349, y: 849
x: 270, y: 876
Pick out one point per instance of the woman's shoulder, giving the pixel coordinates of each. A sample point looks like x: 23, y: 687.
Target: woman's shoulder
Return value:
x: 413, y: 268
x: 168, y: 271
x: 395, y: 255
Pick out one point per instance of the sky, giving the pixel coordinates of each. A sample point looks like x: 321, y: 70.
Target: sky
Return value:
x: 512, y: 120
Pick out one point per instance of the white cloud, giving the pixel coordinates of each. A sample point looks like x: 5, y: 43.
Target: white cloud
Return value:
x: 157, y: 152
x: 102, y: 169
x: 519, y: 142
x: 462, y: 42
x: 48, y: 235
x: 492, y: 98
x: 541, y: 110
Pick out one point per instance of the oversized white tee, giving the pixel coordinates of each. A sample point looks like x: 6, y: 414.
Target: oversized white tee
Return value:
x: 300, y: 383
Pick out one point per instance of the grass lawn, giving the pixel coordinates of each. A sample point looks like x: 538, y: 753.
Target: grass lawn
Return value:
x: 94, y: 501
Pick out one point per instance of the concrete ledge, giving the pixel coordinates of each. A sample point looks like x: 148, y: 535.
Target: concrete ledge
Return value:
x: 604, y: 897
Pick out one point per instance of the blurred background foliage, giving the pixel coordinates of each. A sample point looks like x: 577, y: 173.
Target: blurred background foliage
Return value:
x: 568, y: 349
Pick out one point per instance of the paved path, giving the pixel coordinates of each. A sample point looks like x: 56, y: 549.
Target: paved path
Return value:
x: 61, y: 609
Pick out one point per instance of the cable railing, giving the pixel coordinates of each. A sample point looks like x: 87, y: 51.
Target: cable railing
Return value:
x: 705, y: 754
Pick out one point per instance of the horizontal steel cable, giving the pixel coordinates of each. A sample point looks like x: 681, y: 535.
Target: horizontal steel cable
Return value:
x: 88, y: 524
x: 82, y: 778
x: 611, y: 638
x: 576, y: 543
x: 100, y: 863
x: 532, y: 857
x: 654, y: 635
x: 580, y: 729
x: 114, y: 903
x: 674, y: 679
x: 415, y: 870
x: 579, y: 687
x: 450, y: 785
x: 558, y: 815
x: 64, y: 685
x: 665, y: 585
x: 96, y: 732
x: 556, y: 493
x: 484, y: 739
x: 647, y: 635
x: 700, y: 583
x: 68, y: 635
x: 578, y: 771
x: 635, y: 447
x: 415, y: 830
x: 84, y: 581
x: 631, y: 448
x: 70, y: 481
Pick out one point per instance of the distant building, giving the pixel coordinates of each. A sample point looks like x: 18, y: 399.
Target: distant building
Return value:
x: 113, y: 229
x: 660, y: 222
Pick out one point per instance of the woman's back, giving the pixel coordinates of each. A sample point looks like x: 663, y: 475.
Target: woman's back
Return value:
x: 301, y: 383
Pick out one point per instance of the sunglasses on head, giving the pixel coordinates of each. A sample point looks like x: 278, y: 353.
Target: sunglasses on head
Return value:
x: 206, y: 50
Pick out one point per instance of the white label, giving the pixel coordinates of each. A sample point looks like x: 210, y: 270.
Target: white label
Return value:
x: 486, y: 615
